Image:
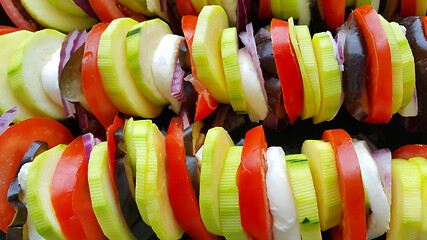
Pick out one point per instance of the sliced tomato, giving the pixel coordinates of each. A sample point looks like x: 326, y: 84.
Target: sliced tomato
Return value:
x: 108, y: 10
x: 424, y: 22
x: 181, y: 195
x: 334, y: 16
x: 264, y: 9
x: 7, y: 29
x: 379, y: 79
x: 205, y: 105
x: 408, y: 8
x: 17, y: 18
x: 70, y: 195
x: 189, y: 24
x: 411, y: 151
x: 287, y: 68
x: 14, y: 143
x: 112, y: 146
x: 93, y: 89
x: 353, y: 221
x: 185, y: 7
x: 250, y: 180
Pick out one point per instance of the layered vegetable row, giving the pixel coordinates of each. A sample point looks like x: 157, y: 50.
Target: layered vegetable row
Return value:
x: 139, y: 183
x: 65, y: 15
x: 281, y: 73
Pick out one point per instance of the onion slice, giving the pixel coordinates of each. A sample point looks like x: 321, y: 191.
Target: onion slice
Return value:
x: 89, y: 141
x: 7, y: 118
x: 248, y: 39
x: 177, y: 87
x: 383, y: 159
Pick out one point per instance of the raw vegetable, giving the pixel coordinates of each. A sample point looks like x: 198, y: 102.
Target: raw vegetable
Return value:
x: 230, y: 60
x: 16, y: 196
x: 379, y: 84
x: 142, y: 41
x: 68, y: 6
x: 379, y: 215
x: 70, y: 194
x: 229, y: 210
x: 353, y: 221
x: 215, y: 149
x: 39, y: 180
x: 182, y: 197
x: 185, y: 7
x: 287, y: 68
x: 50, y: 16
x: 309, y: 108
x: 410, y: 151
x: 9, y: 43
x: 118, y: 122
x: 23, y: 68
x: 280, y: 196
x: 329, y: 78
x: 115, y: 73
x: 206, y: 51
x: 321, y: 159
x: 6, y: 30
x: 16, y: 16
x: 256, y: 103
x: 305, y: 196
x: 254, y: 207
x: 163, y: 68
x: 406, y: 217
x: 105, y: 202
x: 13, y: 145
x: 309, y: 60
x: 159, y: 209
x: 333, y: 16
x: 98, y: 100
x: 421, y: 163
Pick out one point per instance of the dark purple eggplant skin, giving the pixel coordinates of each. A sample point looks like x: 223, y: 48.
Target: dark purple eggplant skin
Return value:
x: 265, y: 52
x: 418, y: 43
x: 15, y: 230
x: 127, y: 203
x: 355, y: 68
x: 193, y: 171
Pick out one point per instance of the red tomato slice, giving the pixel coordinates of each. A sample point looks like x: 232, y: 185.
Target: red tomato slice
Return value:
x: 16, y: 16
x: 14, y: 143
x: 411, y: 151
x: 334, y: 16
x: 424, y: 22
x: 93, y: 89
x: 264, y: 9
x: 7, y: 29
x: 205, y: 105
x: 70, y: 195
x: 408, y: 8
x: 379, y: 79
x: 112, y: 146
x: 185, y: 7
x: 181, y: 195
x: 189, y: 24
x: 106, y: 10
x: 353, y: 221
x: 250, y: 179
x: 287, y: 68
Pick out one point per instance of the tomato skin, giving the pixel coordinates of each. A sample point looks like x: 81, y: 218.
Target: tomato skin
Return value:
x: 408, y: 8
x: 181, y: 195
x: 14, y: 143
x: 205, y: 105
x: 250, y: 179
x: 287, y: 68
x: 334, y: 16
x: 264, y: 9
x: 411, y: 151
x: 379, y: 77
x: 70, y: 195
x: 185, y: 7
x: 106, y: 10
x: 93, y: 89
x: 6, y: 29
x: 353, y: 221
x: 16, y: 16
x: 112, y: 146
